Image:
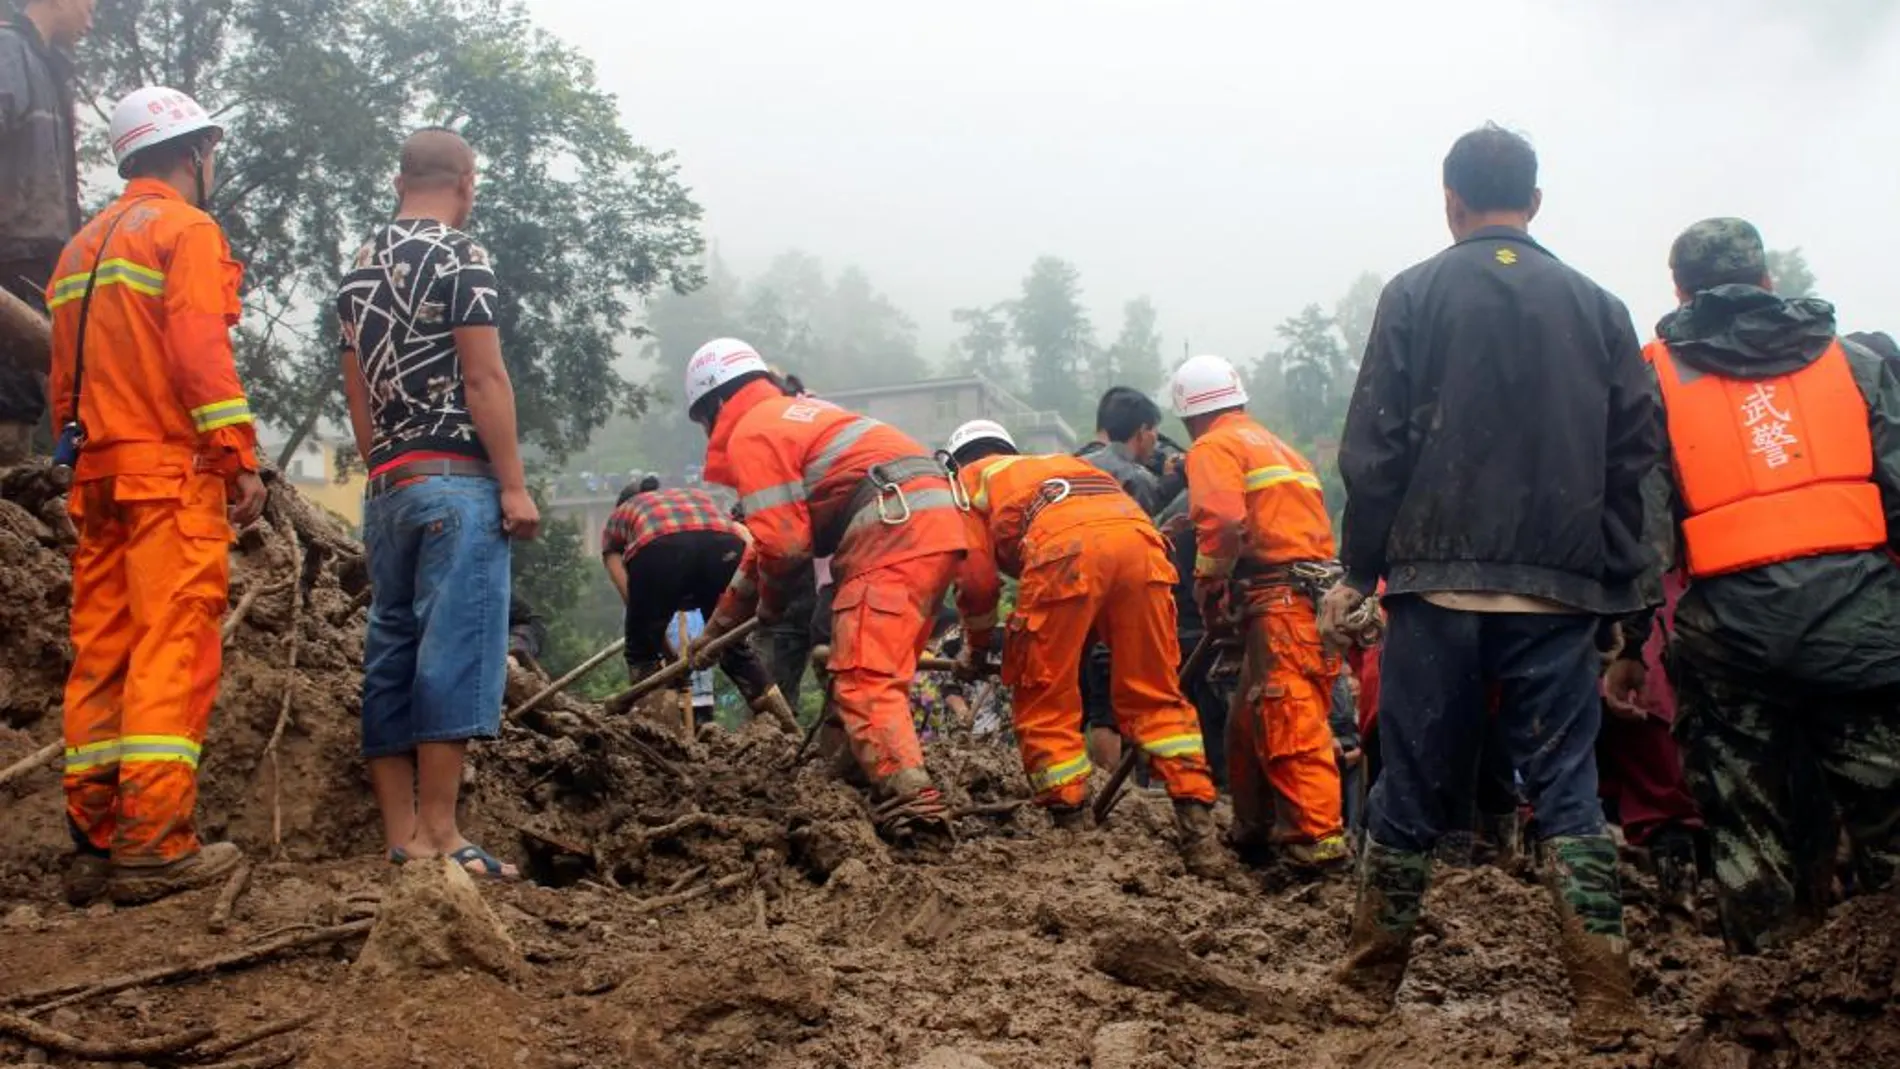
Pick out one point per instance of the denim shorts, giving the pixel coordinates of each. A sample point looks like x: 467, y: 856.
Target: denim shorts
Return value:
x: 435, y: 658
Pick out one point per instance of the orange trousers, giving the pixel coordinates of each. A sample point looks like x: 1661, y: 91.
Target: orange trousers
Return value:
x: 880, y: 623
x: 150, y: 579
x: 1280, y: 763
x: 1112, y: 580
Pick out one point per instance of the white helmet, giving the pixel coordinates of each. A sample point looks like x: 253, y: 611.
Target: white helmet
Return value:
x: 1204, y: 384
x: 978, y: 430
x: 718, y: 362
x: 152, y: 116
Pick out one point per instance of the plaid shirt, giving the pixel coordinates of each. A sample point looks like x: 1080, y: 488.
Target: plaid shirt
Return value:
x: 645, y: 517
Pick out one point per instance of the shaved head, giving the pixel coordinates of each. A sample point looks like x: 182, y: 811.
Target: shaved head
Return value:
x: 435, y: 159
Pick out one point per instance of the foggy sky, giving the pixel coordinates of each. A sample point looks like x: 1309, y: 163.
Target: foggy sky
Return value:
x: 1237, y: 160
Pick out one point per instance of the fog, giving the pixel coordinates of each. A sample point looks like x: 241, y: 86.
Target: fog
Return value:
x: 1236, y: 160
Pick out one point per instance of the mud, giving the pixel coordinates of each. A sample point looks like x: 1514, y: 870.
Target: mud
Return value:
x: 704, y: 902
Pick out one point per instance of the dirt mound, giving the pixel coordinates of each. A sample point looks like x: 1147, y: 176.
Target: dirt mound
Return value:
x: 712, y: 902
x: 1831, y: 999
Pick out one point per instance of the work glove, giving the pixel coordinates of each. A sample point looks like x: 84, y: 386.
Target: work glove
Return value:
x: 970, y: 664
x: 1335, y: 610
x: 1219, y: 612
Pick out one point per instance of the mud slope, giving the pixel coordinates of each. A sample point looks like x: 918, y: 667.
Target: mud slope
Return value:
x: 704, y: 903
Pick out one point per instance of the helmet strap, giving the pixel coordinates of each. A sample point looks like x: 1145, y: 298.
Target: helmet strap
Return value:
x: 198, y: 175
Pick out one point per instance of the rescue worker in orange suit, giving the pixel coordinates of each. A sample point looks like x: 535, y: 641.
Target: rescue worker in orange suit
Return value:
x: 1090, y: 562
x: 145, y: 387
x: 1257, y: 513
x: 1785, y: 448
x: 815, y: 480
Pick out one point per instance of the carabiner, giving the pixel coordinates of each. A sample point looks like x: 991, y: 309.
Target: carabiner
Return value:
x: 889, y: 493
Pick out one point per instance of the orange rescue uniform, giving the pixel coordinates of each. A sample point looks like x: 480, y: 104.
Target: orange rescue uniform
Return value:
x: 167, y: 426
x: 1090, y: 561
x: 1256, y: 508
x: 1771, y: 469
x: 798, y: 463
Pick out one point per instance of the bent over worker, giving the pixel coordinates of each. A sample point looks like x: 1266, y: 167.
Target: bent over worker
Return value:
x: 1089, y: 561
x: 145, y: 385
x: 1258, y: 514
x: 671, y: 551
x: 1785, y: 442
x: 815, y: 480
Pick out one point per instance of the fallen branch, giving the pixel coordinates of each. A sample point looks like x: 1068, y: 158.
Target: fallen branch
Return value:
x: 685, y: 823
x: 222, y: 1047
x: 36, y: 1034
x: 243, y: 608
x: 624, y: 700
x: 290, y: 690
x: 567, y: 680
x: 41, y: 756
x: 227, y: 899
x: 989, y: 809
x: 1154, y: 960
x: 664, y: 902
x: 69, y: 994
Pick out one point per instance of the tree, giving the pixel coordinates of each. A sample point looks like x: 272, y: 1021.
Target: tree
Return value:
x: 1355, y: 312
x: 316, y: 96
x: 1788, y: 268
x: 866, y: 340
x: 1136, y: 355
x: 1054, y: 331
x: 677, y: 325
x: 984, y: 347
x: 1315, y: 367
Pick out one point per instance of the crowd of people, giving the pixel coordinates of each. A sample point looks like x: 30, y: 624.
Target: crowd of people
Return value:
x: 1577, y: 577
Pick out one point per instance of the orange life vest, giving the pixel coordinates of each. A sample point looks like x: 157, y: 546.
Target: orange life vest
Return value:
x: 1770, y: 469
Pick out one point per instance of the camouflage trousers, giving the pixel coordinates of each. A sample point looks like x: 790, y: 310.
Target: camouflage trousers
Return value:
x: 1772, y: 769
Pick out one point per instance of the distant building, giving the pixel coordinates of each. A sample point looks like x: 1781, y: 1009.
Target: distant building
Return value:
x: 927, y: 411
x: 313, y: 468
x: 930, y: 409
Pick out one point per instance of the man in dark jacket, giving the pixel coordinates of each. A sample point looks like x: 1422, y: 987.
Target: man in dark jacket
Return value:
x: 39, y: 179
x: 1493, y: 459
x: 1785, y: 488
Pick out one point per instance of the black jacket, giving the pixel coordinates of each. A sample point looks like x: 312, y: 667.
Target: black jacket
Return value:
x: 1499, y: 433
x: 1138, y: 482
x: 1822, y: 623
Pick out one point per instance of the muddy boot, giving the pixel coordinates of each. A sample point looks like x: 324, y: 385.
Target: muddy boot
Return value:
x: 1581, y: 875
x: 1391, y: 895
x: 16, y: 443
x: 1672, y: 859
x: 1331, y: 854
x: 1069, y: 817
x: 773, y: 704
x: 87, y: 878
x: 909, y: 810
x: 1457, y: 849
x: 132, y: 885
x: 1201, y: 850
x: 1502, y: 839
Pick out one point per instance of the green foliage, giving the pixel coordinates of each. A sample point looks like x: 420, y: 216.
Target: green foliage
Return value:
x: 1135, y: 358
x: 1788, y: 268
x: 1314, y: 363
x: 984, y: 347
x: 316, y: 97
x: 571, y: 593
x: 1054, y: 331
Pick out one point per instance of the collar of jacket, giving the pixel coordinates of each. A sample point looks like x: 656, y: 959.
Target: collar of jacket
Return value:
x: 1502, y: 233
x: 1237, y: 415
x: 142, y: 188
x: 1747, y: 332
x: 719, y: 467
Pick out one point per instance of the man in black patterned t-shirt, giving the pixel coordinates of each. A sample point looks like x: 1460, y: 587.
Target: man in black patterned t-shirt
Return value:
x: 434, y: 417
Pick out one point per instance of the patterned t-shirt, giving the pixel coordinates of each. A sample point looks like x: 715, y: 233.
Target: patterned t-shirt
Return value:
x: 409, y: 287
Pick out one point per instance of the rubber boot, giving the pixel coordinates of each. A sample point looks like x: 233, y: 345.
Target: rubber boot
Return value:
x: 1503, y: 839
x: 1672, y: 858
x: 1330, y: 854
x: 1391, y: 896
x: 773, y: 704
x: 1581, y: 875
x: 1069, y: 817
x: 1201, y: 850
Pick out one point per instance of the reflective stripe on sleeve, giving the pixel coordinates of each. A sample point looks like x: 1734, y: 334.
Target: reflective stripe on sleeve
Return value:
x: 1213, y: 567
x: 208, y: 418
x: 844, y: 439
x: 772, y: 497
x: 1261, y: 478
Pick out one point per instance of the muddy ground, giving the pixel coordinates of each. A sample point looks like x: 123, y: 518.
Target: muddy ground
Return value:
x: 705, y: 903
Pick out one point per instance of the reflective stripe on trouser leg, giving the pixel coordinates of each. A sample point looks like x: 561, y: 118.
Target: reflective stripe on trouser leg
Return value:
x: 1137, y: 621
x: 874, y: 658
x: 179, y: 586
x: 1042, y: 660
x: 102, y: 637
